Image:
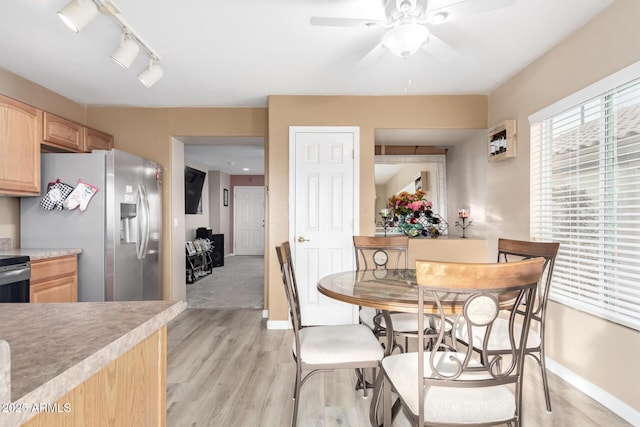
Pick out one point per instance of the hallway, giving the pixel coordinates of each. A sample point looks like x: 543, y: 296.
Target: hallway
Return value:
x: 237, y: 284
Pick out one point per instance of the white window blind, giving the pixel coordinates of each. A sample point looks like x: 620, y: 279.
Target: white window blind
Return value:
x: 585, y: 194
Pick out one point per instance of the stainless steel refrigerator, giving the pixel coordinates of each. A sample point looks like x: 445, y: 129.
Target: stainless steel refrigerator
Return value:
x: 119, y: 231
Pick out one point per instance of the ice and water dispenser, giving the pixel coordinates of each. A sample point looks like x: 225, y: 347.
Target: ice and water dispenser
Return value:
x: 128, y: 214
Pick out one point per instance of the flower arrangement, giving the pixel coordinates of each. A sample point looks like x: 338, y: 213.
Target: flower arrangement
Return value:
x: 410, y: 204
x: 414, y: 214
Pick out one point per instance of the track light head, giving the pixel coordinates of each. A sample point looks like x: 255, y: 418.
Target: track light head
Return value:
x: 78, y: 13
x: 152, y: 74
x: 127, y: 51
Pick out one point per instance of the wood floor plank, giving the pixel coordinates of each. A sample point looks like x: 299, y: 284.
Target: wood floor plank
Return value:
x: 224, y: 368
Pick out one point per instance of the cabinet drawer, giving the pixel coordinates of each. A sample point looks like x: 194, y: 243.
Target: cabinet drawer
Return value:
x: 53, y: 267
x: 62, y: 133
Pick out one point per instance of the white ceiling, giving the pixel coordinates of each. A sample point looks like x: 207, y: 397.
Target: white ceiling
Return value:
x: 231, y: 155
x: 237, y: 53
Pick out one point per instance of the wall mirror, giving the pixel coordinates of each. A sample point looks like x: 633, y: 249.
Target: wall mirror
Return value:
x: 394, y: 174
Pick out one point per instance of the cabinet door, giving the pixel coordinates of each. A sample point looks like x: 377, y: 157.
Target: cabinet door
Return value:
x: 62, y: 133
x: 62, y: 289
x: 96, y: 140
x: 20, y: 136
x: 54, y: 280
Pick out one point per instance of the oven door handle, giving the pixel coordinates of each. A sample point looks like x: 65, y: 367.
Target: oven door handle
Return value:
x: 15, y: 275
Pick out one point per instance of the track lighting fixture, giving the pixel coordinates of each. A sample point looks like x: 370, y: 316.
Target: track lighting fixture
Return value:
x: 78, y: 13
x: 152, y: 74
x: 127, y: 51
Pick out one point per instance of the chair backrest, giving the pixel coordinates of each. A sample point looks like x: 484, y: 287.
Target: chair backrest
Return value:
x: 522, y: 249
x: 480, y: 292
x: 381, y: 252
x: 283, y: 251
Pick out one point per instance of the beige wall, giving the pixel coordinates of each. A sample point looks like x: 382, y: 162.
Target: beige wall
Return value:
x: 148, y: 132
x: 467, y: 185
x: 366, y: 112
x: 599, y: 351
x: 221, y: 215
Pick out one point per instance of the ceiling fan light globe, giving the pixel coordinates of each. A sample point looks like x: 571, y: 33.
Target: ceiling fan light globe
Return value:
x: 405, y: 39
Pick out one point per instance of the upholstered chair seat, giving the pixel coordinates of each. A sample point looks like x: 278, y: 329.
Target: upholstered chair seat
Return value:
x: 338, y: 344
x: 459, y: 405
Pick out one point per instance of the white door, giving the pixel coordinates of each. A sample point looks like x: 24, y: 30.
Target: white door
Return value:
x: 324, y: 193
x: 248, y: 220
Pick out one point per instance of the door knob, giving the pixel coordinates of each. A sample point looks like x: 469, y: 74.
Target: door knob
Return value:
x: 302, y: 239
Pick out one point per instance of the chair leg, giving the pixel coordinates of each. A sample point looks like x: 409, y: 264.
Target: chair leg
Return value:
x: 545, y: 382
x: 386, y: 401
x: 296, y: 395
x: 361, y: 381
x: 374, y: 406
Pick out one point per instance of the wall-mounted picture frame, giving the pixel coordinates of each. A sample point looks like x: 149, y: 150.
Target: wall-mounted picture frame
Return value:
x: 225, y: 197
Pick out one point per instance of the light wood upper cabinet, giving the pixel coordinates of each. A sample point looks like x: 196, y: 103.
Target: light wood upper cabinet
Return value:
x: 20, y: 136
x: 96, y: 140
x: 62, y: 133
x: 54, y: 280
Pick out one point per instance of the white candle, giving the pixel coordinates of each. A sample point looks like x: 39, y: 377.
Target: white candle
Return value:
x: 463, y: 213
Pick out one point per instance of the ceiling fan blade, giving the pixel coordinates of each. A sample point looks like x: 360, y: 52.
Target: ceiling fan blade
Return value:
x: 463, y: 8
x: 373, y: 55
x: 343, y: 22
x: 440, y: 50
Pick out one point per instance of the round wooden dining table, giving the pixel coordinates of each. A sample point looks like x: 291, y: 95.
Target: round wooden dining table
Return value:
x: 389, y: 290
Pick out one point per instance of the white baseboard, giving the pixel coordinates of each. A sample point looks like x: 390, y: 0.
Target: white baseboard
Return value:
x: 278, y: 324
x: 602, y: 396
x: 265, y: 314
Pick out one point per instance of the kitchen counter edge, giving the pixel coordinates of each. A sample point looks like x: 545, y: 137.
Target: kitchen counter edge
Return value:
x: 41, y: 253
x: 11, y: 414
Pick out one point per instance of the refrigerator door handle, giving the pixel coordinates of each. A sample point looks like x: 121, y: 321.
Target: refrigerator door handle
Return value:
x: 143, y: 223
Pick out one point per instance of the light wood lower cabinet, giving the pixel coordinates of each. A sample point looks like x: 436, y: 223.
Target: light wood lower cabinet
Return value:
x: 54, y: 279
x: 130, y: 391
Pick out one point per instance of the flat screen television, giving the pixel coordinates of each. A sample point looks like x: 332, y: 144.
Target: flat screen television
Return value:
x: 193, y: 182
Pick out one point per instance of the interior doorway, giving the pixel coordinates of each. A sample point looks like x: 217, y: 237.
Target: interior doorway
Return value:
x: 229, y: 162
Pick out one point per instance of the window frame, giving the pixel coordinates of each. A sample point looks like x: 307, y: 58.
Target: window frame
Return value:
x: 593, y: 272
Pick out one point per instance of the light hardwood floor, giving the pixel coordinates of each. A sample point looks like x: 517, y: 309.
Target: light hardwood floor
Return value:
x: 224, y: 368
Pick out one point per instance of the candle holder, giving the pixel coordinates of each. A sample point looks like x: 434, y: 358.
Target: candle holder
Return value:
x: 463, y: 214
x: 387, y: 219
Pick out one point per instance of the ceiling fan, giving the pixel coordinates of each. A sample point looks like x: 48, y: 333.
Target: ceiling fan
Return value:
x: 407, y: 22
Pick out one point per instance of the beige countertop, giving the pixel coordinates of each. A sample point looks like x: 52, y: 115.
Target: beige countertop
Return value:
x: 37, y: 253
x: 54, y: 347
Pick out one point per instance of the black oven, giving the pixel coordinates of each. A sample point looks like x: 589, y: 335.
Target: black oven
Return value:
x: 15, y: 273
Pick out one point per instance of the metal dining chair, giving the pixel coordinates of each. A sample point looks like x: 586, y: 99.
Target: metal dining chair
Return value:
x: 518, y: 250
x: 389, y: 252
x: 454, y: 387
x: 321, y: 348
